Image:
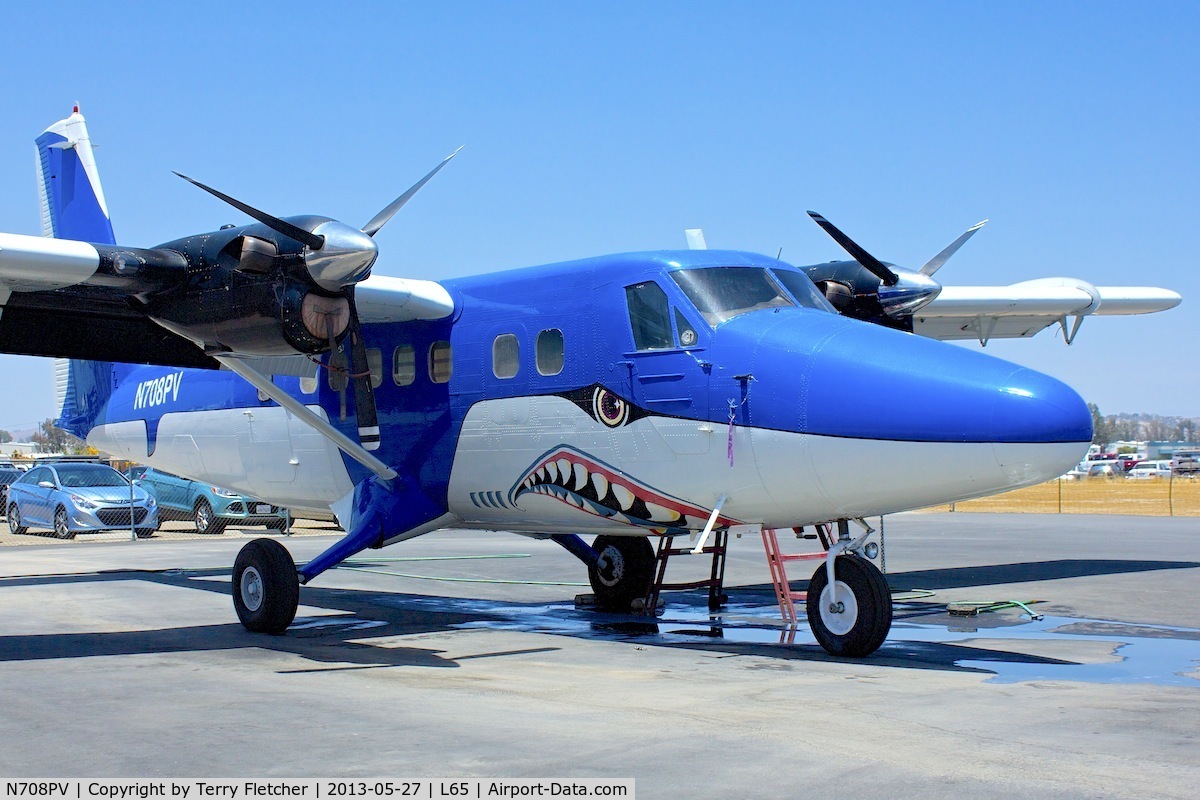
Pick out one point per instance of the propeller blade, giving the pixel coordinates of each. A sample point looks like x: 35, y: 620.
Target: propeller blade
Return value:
x: 306, y: 238
x: 873, y: 265
x: 381, y: 219
x: 935, y: 263
x: 364, y: 393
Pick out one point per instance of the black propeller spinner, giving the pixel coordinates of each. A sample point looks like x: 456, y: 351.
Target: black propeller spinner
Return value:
x: 337, y: 257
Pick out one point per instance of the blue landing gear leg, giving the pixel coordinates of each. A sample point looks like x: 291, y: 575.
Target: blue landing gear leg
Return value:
x: 576, y: 547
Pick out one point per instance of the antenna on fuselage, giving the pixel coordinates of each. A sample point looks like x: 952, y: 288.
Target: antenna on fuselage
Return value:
x: 695, y: 239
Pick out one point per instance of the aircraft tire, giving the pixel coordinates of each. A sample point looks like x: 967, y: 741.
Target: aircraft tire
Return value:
x: 14, y: 520
x: 624, y: 572
x: 866, y: 617
x: 206, y: 520
x: 266, y: 587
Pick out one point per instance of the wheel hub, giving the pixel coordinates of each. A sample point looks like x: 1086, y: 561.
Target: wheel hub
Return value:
x: 610, y: 567
x: 839, y: 618
x: 252, y: 589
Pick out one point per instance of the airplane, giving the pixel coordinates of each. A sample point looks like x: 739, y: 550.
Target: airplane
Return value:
x: 627, y: 396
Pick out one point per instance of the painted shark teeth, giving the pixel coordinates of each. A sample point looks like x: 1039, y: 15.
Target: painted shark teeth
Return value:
x: 581, y: 484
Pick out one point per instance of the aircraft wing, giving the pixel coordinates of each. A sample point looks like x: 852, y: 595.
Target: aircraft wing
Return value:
x: 62, y: 298
x: 1023, y: 309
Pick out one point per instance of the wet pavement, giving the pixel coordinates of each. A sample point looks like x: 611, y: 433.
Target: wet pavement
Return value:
x: 464, y: 653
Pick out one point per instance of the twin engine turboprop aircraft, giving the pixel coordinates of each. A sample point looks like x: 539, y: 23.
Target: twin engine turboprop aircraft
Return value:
x: 625, y: 396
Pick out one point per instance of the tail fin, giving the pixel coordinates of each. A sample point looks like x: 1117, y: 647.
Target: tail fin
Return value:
x: 73, y: 207
x: 72, y: 201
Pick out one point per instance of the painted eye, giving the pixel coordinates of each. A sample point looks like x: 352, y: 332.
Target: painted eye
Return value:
x: 609, y: 408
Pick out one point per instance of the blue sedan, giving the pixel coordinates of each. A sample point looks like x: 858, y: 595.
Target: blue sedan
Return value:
x: 71, y: 498
x: 210, y: 506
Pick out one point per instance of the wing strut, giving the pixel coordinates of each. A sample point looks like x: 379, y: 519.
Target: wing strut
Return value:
x: 343, y: 443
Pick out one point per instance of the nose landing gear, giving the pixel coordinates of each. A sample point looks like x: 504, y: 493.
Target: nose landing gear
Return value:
x: 853, y: 617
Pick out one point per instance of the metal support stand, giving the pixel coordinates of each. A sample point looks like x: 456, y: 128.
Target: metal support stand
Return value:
x: 715, y: 583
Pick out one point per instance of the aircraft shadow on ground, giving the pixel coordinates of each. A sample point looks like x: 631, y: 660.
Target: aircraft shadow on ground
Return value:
x: 1025, y: 572
x: 336, y: 641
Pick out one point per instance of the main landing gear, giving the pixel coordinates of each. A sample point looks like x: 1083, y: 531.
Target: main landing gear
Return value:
x: 266, y: 587
x: 623, y: 570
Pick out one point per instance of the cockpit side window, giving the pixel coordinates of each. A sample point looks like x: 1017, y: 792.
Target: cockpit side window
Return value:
x: 803, y: 289
x: 649, y: 316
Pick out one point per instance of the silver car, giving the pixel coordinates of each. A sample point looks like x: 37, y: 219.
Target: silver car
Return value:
x: 70, y: 498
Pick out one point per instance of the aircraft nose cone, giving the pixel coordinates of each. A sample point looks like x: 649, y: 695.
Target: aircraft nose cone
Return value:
x: 893, y: 421
x: 885, y: 385
x: 1033, y: 407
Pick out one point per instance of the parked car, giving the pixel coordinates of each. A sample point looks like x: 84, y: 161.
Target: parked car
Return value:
x: 210, y: 507
x: 72, y: 498
x: 1186, y: 463
x: 1093, y: 469
x: 7, y: 476
x: 1150, y: 469
x: 1128, y: 461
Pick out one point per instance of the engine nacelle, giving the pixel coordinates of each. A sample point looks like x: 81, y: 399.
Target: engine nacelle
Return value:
x: 257, y: 316
x: 250, y: 290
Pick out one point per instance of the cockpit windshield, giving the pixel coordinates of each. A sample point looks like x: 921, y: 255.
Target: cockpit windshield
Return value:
x: 722, y: 293
x: 803, y: 289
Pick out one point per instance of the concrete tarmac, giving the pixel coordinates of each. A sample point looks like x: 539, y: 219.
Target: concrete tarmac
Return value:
x: 125, y: 660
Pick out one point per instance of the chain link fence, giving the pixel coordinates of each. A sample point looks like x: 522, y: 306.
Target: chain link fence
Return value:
x: 1150, y: 497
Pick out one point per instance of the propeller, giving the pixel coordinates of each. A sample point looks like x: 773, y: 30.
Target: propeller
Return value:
x: 873, y: 264
x: 336, y: 258
x: 901, y: 292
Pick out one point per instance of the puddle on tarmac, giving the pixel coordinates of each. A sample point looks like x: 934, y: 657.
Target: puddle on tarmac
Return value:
x: 1150, y: 654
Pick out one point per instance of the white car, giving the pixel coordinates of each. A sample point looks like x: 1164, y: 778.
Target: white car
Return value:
x: 1094, y: 469
x: 1150, y: 469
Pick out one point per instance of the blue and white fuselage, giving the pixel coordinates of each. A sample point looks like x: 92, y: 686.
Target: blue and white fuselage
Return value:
x: 795, y: 414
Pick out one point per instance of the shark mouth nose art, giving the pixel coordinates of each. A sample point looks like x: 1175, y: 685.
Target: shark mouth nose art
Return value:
x: 575, y: 479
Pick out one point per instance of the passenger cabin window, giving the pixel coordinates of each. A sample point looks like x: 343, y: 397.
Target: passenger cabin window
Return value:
x: 506, y: 355
x: 404, y: 365
x: 550, y: 352
x: 308, y: 385
x: 375, y: 365
x: 649, y: 316
x: 722, y: 293
x: 440, y: 365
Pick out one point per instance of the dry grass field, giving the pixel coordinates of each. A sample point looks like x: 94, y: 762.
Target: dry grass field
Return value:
x: 1151, y: 498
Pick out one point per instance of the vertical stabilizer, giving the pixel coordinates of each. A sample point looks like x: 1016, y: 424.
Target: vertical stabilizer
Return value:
x: 73, y: 207
x: 72, y: 202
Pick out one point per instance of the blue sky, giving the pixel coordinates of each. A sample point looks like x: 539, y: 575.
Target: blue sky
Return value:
x: 611, y: 127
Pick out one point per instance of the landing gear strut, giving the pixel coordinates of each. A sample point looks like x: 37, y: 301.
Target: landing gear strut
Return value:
x: 266, y: 587
x: 623, y: 570
x: 854, y: 620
